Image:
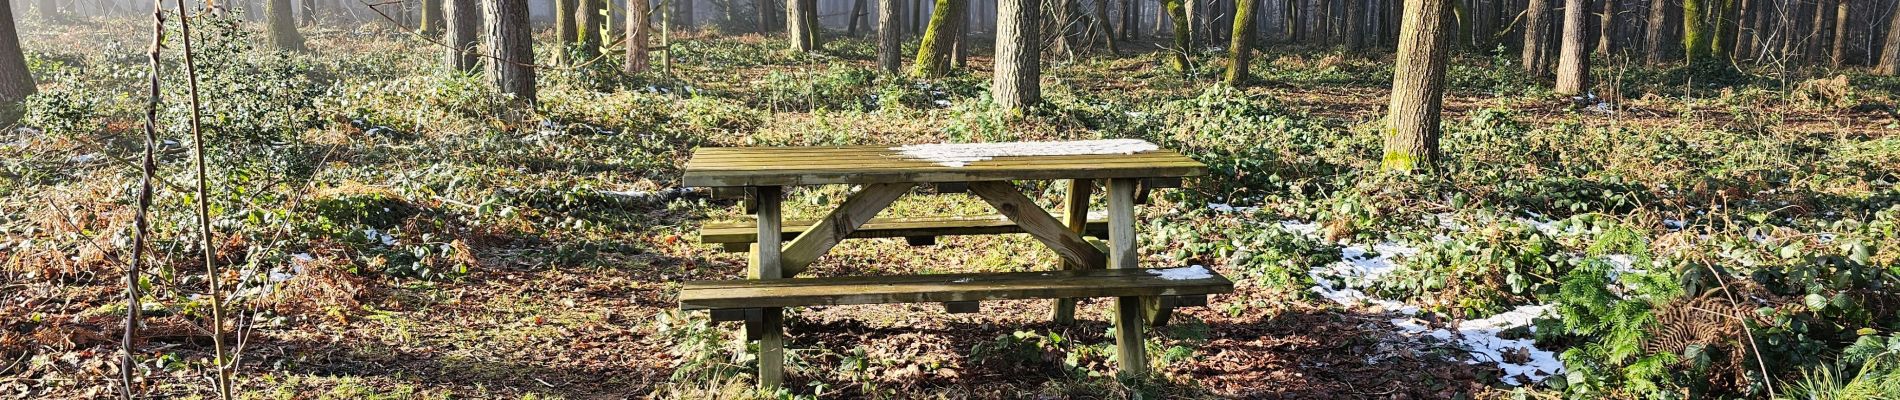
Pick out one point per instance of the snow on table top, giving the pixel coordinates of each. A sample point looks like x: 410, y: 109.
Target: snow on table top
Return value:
x: 961, y: 154
x: 1184, y: 273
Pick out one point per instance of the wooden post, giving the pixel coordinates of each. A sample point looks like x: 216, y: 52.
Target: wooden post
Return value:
x: 767, y: 266
x: 1130, y: 347
x: 1076, y: 215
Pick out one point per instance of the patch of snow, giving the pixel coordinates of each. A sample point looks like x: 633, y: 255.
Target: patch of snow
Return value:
x: 378, y: 236
x: 963, y: 280
x: 1187, y: 273
x: 961, y: 154
x: 83, y: 158
x: 1225, y: 208
x: 644, y: 195
x: 1481, y: 338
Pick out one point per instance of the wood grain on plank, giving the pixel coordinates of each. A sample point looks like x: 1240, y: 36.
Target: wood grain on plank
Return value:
x: 702, y: 295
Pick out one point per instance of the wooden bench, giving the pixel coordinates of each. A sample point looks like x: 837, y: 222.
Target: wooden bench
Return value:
x: 738, y: 236
x: 747, y: 300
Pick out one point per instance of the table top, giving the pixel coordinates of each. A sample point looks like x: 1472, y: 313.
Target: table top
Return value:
x: 935, y: 163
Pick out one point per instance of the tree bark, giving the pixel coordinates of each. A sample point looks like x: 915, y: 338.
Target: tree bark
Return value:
x: 1722, y: 45
x: 283, y: 26
x: 431, y: 18
x: 1890, y: 56
x: 463, y: 36
x: 309, y: 12
x: 682, y: 16
x: 1695, y: 33
x: 566, y: 31
x: 1815, y: 32
x: 1017, y: 83
x: 1653, y: 34
x: 1355, y: 24
x: 1838, y: 54
x: 511, y: 44
x: 889, y: 38
x: 1573, y: 66
x: 1418, y: 88
x: 1179, y: 54
x: 1240, y: 50
x: 639, y: 33
x: 798, y: 26
x: 1101, y: 26
x: 16, y: 83
x: 588, y: 30
x: 857, y: 15
x: 934, y: 54
x: 1536, y: 38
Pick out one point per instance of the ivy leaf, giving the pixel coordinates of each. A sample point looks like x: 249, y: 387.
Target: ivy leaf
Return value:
x: 1815, y: 302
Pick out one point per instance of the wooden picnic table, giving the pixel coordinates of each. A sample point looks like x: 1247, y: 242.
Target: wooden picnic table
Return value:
x: 884, y: 173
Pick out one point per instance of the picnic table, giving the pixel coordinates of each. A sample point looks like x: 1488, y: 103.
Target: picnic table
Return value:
x: 1129, y: 168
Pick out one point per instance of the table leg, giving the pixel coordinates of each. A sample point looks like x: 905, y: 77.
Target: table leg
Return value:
x: 768, y: 266
x: 1130, y: 346
x: 1076, y: 215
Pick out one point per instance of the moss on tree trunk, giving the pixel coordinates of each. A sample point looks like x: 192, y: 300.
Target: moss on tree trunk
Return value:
x: 1240, y: 49
x: 934, y: 54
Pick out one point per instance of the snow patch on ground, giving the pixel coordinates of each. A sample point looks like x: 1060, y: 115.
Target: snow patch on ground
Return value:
x: 1227, y: 208
x: 1187, y: 273
x: 961, y: 154
x: 1360, y: 265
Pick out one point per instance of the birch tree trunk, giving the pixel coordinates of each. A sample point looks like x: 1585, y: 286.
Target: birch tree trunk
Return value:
x: 1573, y: 66
x: 511, y: 44
x: 1017, y: 83
x: 463, y: 37
x: 1418, y: 88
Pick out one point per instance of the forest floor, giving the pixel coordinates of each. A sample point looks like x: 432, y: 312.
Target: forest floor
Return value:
x: 394, y: 231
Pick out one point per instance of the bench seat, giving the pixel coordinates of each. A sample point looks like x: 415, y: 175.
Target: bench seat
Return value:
x: 741, y: 233
x: 949, y: 288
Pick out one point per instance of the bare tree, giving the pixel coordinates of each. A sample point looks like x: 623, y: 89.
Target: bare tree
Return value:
x: 464, y: 23
x: 511, y: 45
x: 566, y: 29
x: 1018, y: 80
x: 1654, y: 31
x: 800, y: 27
x: 1890, y: 57
x: 1418, y: 88
x: 1573, y: 65
x: 432, y: 18
x: 1838, y: 56
x: 16, y: 83
x: 1178, y: 55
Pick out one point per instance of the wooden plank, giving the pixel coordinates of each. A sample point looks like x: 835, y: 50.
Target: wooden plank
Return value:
x: 768, y: 266
x: 746, y: 232
x: 1075, y: 214
x: 1011, y: 203
x: 859, y: 177
x: 854, y: 290
x: 1130, y: 343
x: 839, y: 224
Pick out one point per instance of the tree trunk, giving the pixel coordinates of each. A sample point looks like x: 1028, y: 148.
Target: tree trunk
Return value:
x: 1606, y: 30
x: 1102, y: 28
x: 933, y: 55
x: 798, y: 26
x: 681, y: 18
x: 1017, y: 83
x: 1838, y: 54
x: 511, y: 44
x: 1653, y: 33
x: 1815, y: 32
x: 639, y: 33
x: 1418, y: 88
x: 1695, y: 31
x: 15, y: 82
x: 1722, y: 46
x: 1355, y: 24
x: 587, y: 31
x: 432, y: 18
x: 857, y: 14
x: 960, y: 52
x: 464, y: 36
x: 1890, y: 56
x: 889, y: 39
x: 309, y: 12
x: 1240, y: 50
x: 1536, y: 38
x: 283, y: 26
x: 1573, y: 66
x: 565, y: 29
x: 1177, y: 15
